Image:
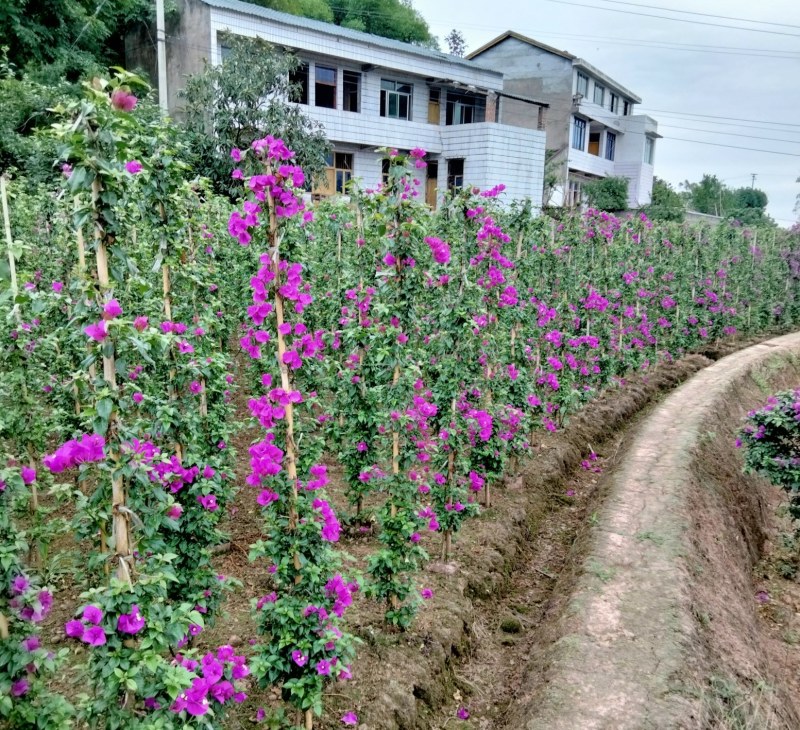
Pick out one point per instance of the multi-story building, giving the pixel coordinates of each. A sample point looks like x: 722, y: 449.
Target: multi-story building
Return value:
x: 371, y: 92
x: 592, y: 131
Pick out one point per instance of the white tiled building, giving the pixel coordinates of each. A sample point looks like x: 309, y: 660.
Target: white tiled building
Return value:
x: 371, y: 92
x: 591, y: 126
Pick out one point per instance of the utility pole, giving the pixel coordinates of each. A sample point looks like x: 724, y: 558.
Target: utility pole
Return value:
x: 753, y: 176
x: 161, y: 41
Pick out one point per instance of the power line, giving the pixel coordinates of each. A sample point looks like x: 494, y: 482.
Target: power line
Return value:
x: 734, y: 147
x: 712, y: 116
x: 730, y: 134
x: 685, y: 47
x: 677, y: 20
x: 705, y: 15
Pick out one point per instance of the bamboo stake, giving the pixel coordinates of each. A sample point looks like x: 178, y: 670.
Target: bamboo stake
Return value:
x: 12, y: 264
x: 395, y: 441
x: 120, y: 525
x: 4, y: 633
x: 290, y: 455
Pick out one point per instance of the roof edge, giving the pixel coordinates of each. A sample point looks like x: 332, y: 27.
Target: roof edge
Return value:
x: 297, y: 21
x: 524, y: 39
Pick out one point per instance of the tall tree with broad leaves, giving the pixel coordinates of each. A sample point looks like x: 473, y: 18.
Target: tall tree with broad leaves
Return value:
x: 243, y: 99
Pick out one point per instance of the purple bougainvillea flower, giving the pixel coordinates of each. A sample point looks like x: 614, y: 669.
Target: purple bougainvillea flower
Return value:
x: 28, y: 475
x: 20, y: 687
x: 31, y: 643
x: 123, y: 100
x: 463, y: 713
x: 299, y: 658
x: 92, y: 614
x: 57, y: 286
x: 209, y: 502
x: 131, y: 623
x: 74, y: 629
x: 97, y: 331
x: 111, y: 309
x: 350, y: 718
x: 19, y: 585
x: 133, y: 167
x: 94, y: 636
x: 426, y: 593
x: 323, y: 667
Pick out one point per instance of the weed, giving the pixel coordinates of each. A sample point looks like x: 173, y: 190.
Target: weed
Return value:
x: 600, y: 572
x: 653, y: 537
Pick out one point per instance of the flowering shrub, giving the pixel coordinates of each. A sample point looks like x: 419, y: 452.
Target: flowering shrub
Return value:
x: 421, y: 351
x: 771, y: 437
x: 304, y: 646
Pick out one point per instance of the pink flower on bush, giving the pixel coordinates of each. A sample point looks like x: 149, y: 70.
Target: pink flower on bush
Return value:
x: 209, y: 502
x: 134, y: 167
x: 93, y: 635
x: 90, y: 447
x: 131, y: 623
x: 350, y: 718
x: 123, y: 100
x: 92, y: 614
x: 98, y: 331
x: 111, y: 309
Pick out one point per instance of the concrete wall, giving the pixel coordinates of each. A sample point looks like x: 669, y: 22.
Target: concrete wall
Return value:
x: 497, y: 153
x: 532, y: 72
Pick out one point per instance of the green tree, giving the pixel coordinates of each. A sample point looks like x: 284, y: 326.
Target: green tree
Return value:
x: 395, y: 19
x: 610, y: 193
x: 710, y: 196
x: 749, y: 206
x: 665, y: 203
x: 67, y: 38
x: 314, y: 9
x: 456, y: 42
x: 241, y: 100
x: 24, y: 105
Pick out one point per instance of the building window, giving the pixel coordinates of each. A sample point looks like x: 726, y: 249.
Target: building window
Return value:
x: 649, y: 150
x: 325, y: 87
x: 626, y: 108
x: 351, y: 91
x: 386, y: 167
x: 611, y: 145
x: 434, y: 102
x: 455, y: 173
x: 342, y: 170
x: 299, y: 80
x: 574, y: 194
x: 582, y: 86
x: 578, y: 133
x: 395, y: 99
x: 614, y: 106
x: 464, y: 108
x: 599, y: 94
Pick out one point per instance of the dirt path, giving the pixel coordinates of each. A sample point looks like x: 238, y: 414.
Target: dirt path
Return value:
x: 665, y: 597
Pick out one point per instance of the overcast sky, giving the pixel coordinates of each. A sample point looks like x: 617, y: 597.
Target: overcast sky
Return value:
x: 700, y: 81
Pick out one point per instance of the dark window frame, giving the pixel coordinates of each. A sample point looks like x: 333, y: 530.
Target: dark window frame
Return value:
x: 578, y: 132
x: 328, y: 88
